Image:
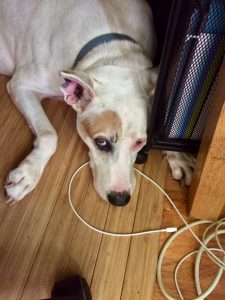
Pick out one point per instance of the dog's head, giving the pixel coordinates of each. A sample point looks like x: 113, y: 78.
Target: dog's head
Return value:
x: 112, y: 120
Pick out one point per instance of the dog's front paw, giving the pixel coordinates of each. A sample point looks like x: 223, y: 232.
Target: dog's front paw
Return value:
x: 21, y: 181
x: 181, y: 164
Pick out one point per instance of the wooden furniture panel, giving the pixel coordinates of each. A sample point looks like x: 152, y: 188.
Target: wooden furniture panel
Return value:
x: 207, y: 191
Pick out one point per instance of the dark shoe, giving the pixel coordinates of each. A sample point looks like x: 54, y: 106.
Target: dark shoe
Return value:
x: 75, y: 288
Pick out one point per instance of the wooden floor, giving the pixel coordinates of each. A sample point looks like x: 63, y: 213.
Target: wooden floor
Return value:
x: 41, y: 241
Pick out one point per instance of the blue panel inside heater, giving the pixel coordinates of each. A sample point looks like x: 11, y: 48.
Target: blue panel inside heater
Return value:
x: 196, y: 71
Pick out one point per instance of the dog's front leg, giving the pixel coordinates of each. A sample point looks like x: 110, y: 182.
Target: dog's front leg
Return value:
x: 181, y: 165
x: 25, y: 177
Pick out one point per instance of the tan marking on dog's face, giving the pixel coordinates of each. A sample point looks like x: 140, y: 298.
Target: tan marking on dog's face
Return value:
x: 105, y: 122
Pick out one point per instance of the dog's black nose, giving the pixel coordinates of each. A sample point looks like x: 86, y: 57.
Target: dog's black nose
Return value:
x: 119, y: 199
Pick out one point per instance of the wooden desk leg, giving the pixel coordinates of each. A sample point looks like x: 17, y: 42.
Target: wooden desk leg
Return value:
x: 207, y: 191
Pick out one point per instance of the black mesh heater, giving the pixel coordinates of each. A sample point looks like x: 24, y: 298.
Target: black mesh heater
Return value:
x: 192, y: 54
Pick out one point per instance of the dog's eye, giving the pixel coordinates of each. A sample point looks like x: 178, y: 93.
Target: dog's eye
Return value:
x: 139, y: 142
x: 103, y: 144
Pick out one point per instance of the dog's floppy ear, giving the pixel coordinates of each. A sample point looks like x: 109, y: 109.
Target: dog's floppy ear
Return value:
x: 77, y: 89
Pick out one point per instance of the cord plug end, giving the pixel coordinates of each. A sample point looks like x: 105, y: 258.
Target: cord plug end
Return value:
x: 171, y: 229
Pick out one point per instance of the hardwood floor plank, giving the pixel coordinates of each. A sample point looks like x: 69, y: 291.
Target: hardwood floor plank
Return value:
x: 141, y: 266
x: 3, y: 93
x: 22, y: 141
x: 33, y: 223
x: 84, y: 248
x: 111, y: 263
x: 53, y: 249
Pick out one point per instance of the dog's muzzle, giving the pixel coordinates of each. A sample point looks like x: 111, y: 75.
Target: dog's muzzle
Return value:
x: 119, y: 199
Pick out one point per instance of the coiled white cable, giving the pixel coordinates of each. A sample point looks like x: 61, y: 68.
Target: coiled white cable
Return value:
x: 212, y: 256
x: 199, y: 252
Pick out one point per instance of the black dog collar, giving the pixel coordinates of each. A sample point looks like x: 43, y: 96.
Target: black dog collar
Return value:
x: 99, y: 40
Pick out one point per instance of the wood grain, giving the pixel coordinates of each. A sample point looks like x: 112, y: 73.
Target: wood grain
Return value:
x: 113, y: 252
x: 142, y: 259
x: 207, y: 192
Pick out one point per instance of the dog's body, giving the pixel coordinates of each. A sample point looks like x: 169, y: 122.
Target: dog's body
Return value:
x: 109, y: 87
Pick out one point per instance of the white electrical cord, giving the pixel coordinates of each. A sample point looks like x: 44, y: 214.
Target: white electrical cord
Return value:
x: 201, y: 296
x: 197, y: 280
x: 203, y: 243
x: 169, y: 229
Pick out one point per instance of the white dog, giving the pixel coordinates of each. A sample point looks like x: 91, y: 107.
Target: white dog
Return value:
x: 108, y: 79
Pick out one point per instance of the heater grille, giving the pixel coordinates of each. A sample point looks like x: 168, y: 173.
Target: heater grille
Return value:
x: 192, y: 55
